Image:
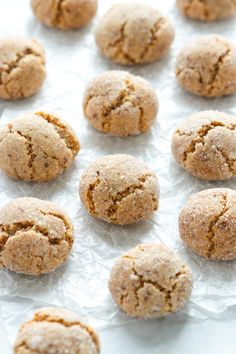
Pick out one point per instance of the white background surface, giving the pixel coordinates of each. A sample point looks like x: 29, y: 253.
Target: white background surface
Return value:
x: 208, y: 323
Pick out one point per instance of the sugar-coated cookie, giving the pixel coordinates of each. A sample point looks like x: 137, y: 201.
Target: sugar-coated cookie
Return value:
x: 22, y: 67
x: 133, y: 33
x: 205, y: 145
x: 119, y: 189
x: 207, y: 224
x: 150, y: 281
x: 119, y: 103
x: 207, y: 10
x: 55, y: 330
x: 37, y: 147
x: 206, y: 66
x: 64, y: 14
x: 35, y: 236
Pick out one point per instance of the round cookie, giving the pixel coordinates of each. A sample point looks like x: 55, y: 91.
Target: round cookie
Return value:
x: 207, y: 224
x: 35, y: 236
x: 64, y: 14
x: 37, y: 147
x: 56, y: 331
x: 150, y: 281
x: 119, y: 103
x: 119, y: 189
x: 134, y: 33
x: 207, y: 66
x: 22, y: 67
x: 205, y: 145
x: 207, y: 10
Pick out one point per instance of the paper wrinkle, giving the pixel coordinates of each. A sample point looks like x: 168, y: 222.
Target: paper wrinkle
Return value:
x: 81, y: 283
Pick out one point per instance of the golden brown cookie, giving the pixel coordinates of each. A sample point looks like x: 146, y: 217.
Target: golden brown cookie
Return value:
x: 22, y: 67
x: 119, y: 103
x: 207, y: 10
x: 64, y: 14
x: 150, y: 281
x: 56, y: 331
x: 133, y: 33
x: 207, y: 224
x: 119, y: 189
x: 206, y: 66
x: 205, y: 145
x: 37, y: 147
x: 35, y: 236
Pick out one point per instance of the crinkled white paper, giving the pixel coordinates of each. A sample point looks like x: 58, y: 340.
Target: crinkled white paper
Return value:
x: 81, y: 283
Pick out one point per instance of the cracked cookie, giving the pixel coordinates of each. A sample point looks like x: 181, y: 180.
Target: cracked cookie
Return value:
x: 35, y: 236
x: 134, y: 33
x: 150, y: 281
x: 207, y: 66
x: 22, y: 67
x: 119, y: 189
x: 64, y: 14
x: 119, y: 103
x: 207, y: 224
x: 37, y: 147
x: 55, y: 330
x: 205, y: 145
x: 207, y: 10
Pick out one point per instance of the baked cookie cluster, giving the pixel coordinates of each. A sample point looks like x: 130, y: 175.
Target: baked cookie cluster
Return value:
x: 36, y: 236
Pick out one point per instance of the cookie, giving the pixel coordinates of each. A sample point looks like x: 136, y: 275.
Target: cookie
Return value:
x: 35, y: 236
x: 37, y: 147
x: 207, y: 10
x: 206, y: 66
x: 119, y: 189
x: 150, y: 281
x: 205, y: 145
x: 64, y: 14
x: 22, y: 67
x: 119, y: 103
x: 207, y: 224
x: 56, y: 331
x: 134, y: 33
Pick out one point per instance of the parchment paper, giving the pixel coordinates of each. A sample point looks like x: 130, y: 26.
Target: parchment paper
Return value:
x: 81, y: 283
